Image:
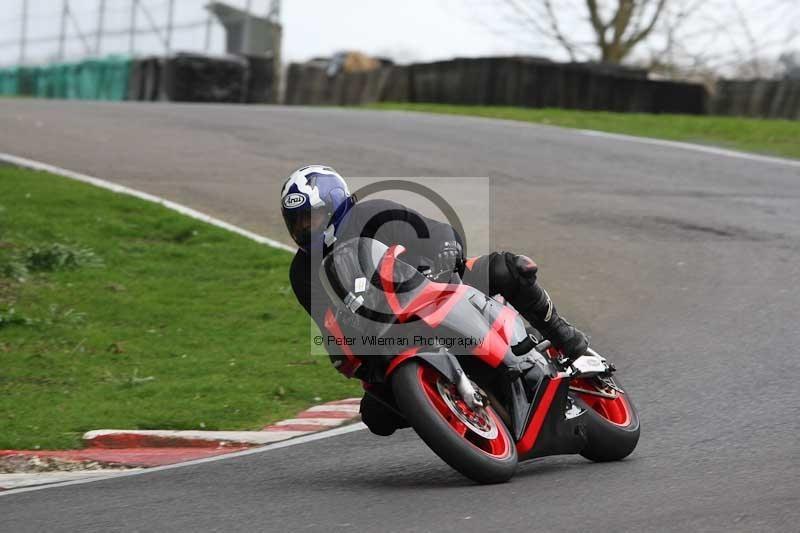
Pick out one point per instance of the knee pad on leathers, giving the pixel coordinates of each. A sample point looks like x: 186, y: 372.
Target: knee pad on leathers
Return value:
x: 514, y: 277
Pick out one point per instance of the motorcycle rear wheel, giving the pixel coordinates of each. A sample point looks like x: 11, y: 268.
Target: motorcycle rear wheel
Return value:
x: 475, y: 443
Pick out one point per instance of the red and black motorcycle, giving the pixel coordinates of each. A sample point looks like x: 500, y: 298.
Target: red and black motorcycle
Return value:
x: 481, y: 390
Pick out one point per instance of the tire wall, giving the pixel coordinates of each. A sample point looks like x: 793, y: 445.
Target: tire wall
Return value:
x: 197, y: 78
x: 261, y: 82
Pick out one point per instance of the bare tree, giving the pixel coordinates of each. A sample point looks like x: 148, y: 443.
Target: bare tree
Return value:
x: 617, y: 26
x: 696, y: 39
x: 630, y: 25
x: 708, y: 38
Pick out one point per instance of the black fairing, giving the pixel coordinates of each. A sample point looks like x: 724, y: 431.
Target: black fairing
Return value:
x: 559, y: 435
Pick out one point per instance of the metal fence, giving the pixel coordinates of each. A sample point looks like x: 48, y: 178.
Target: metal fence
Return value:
x: 38, y: 31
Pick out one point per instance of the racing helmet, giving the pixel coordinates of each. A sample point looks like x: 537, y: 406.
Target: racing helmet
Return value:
x: 314, y: 201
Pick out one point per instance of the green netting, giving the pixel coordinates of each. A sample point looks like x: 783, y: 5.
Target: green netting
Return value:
x: 91, y: 79
x: 8, y: 82
x: 16, y: 81
x: 115, y: 86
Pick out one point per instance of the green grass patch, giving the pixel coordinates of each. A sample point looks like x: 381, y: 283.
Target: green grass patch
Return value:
x: 772, y: 137
x: 118, y: 313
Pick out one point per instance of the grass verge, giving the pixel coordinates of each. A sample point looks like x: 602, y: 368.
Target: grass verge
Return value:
x: 118, y: 313
x: 771, y: 137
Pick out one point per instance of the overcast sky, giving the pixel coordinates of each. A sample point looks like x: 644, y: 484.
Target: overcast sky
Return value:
x: 407, y: 30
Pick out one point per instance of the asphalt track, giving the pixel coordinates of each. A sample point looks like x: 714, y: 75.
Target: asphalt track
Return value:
x: 682, y: 265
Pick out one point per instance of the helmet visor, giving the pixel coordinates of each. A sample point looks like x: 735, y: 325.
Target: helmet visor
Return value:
x: 303, y: 224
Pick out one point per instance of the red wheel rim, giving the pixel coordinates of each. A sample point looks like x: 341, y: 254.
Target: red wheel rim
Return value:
x: 616, y: 410
x: 498, y: 447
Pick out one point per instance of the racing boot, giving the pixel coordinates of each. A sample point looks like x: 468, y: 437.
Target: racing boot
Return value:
x: 378, y: 411
x: 542, y: 315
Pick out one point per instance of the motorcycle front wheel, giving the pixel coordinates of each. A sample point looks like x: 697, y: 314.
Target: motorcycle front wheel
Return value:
x: 612, y: 423
x: 475, y: 442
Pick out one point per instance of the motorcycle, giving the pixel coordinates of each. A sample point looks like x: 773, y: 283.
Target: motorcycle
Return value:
x: 481, y: 390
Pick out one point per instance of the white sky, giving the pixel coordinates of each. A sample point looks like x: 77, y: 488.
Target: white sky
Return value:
x: 407, y: 30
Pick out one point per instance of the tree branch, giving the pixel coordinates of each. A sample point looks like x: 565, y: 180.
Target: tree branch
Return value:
x: 597, y: 23
x: 557, y: 33
x: 622, y: 19
x: 641, y: 35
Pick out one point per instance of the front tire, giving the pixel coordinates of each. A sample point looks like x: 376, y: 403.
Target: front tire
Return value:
x: 476, y: 444
x: 612, y: 425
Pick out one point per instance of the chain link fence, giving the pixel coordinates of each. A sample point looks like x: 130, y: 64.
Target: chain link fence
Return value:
x: 43, y: 31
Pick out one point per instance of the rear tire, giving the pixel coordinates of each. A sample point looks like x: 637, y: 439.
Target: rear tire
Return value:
x: 483, y: 460
x: 612, y: 432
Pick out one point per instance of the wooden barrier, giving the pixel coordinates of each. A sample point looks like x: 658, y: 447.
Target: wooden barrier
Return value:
x: 311, y: 85
x: 757, y: 98
x: 511, y: 81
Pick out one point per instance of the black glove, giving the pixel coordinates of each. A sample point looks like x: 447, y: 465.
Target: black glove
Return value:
x: 448, y: 260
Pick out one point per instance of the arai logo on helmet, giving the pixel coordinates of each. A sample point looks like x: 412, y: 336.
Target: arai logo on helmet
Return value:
x: 293, y: 200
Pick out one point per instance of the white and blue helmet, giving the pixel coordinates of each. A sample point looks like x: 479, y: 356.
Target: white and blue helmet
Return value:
x: 314, y: 200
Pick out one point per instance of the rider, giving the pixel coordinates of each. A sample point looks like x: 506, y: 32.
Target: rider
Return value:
x: 319, y: 210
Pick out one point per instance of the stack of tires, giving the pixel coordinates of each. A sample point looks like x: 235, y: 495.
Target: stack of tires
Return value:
x: 197, y: 78
x: 189, y: 78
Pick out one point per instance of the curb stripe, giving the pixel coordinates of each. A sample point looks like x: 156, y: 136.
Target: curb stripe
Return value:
x: 305, y: 428
x: 326, y: 414
x: 311, y: 421
x: 333, y: 408
x: 251, y: 451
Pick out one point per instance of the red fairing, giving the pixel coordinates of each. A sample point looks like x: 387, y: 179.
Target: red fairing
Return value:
x: 492, y: 349
x: 495, y: 344
x: 436, y: 300
x: 528, y: 439
x: 433, y: 302
x: 402, y: 356
x: 351, y: 363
